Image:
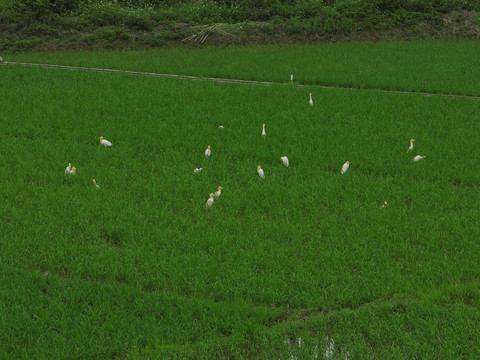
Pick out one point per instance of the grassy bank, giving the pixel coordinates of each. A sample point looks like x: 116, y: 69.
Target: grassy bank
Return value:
x: 75, y: 24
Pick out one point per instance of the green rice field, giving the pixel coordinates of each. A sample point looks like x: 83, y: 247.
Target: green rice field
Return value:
x: 302, y: 264
x: 440, y: 66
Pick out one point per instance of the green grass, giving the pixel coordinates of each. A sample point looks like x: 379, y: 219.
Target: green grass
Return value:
x: 434, y: 66
x: 139, y: 267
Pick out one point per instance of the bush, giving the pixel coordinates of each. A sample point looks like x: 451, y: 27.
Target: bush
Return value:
x: 295, y: 25
x: 139, y: 20
x: 62, y: 7
x: 104, y: 14
x: 111, y: 34
x: 88, y: 39
x: 23, y: 45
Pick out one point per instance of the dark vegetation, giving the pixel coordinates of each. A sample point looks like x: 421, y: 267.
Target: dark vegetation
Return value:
x: 76, y: 24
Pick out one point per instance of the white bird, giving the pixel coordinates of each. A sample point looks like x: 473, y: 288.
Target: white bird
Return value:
x: 263, y: 130
x: 210, y: 200
x: 311, y: 101
x: 105, y: 142
x: 218, y: 192
x: 291, y: 78
x: 70, y: 170
x: 197, y: 170
x: 418, y: 158
x: 284, y: 159
x: 1, y: 59
x: 260, y: 172
x: 220, y: 127
x: 208, y: 151
x: 95, y: 183
x: 345, y: 167
x: 411, y: 145
x: 384, y: 205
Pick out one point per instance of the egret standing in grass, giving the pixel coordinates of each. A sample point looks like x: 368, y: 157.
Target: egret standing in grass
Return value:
x: 263, y: 130
x: 345, y: 167
x: 260, y: 172
x: 68, y: 169
x: 411, y: 145
x: 95, y: 183
x: 418, y: 158
x: 210, y: 201
x: 311, y: 101
x: 105, y: 142
x: 384, y: 205
x: 208, y: 152
x: 284, y: 160
x: 218, y: 192
x: 197, y: 170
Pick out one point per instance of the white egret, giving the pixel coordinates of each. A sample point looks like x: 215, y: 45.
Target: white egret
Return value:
x: 345, y: 167
x: 411, y: 145
x: 291, y: 78
x: 284, y: 159
x: 68, y: 169
x: 208, y: 152
x: 218, y: 192
x: 418, y: 158
x: 73, y: 171
x: 311, y: 101
x: 105, y: 142
x: 263, y: 130
x: 260, y: 172
x: 384, y: 205
x: 197, y: 170
x: 210, y: 200
x: 95, y: 183
x: 220, y: 127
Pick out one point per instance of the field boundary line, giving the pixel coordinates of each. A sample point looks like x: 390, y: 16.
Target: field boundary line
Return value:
x: 241, y: 81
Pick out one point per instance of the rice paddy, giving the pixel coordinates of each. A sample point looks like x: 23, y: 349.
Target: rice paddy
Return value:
x: 440, y: 66
x: 304, y: 263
